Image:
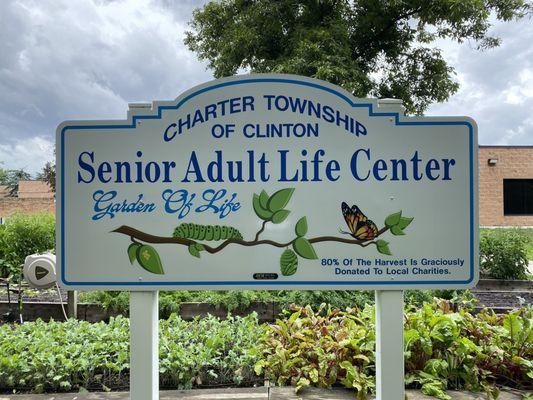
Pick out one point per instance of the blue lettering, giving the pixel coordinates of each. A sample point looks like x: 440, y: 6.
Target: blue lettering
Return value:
x: 353, y: 164
x: 85, y: 166
x: 193, y: 163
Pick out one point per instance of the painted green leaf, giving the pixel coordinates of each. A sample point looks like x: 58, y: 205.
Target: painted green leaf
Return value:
x: 393, y: 219
x: 383, y: 247
x: 304, y: 249
x: 280, y: 216
x: 396, y: 230
x: 404, y: 222
x: 260, y: 211
x: 263, y: 200
x: 301, y: 227
x: 288, y: 263
x: 279, y: 199
x: 149, y: 259
x: 132, y: 251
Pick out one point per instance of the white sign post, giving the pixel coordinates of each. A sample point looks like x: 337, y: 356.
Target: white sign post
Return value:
x: 267, y: 182
x: 144, y: 345
x: 389, y: 345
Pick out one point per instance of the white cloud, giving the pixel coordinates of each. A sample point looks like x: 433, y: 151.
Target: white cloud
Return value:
x: 29, y: 154
x: 496, y: 85
x: 521, y: 91
x: 87, y: 59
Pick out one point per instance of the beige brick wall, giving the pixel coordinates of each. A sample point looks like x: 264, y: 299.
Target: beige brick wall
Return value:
x: 513, y: 163
x: 11, y: 205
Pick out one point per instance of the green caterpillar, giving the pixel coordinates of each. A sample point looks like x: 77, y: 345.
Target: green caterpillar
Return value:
x: 206, y: 232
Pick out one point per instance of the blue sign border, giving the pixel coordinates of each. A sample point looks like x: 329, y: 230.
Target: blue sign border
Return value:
x: 371, y: 113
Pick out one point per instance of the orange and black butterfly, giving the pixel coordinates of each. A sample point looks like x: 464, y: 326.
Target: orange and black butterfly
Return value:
x: 361, y: 228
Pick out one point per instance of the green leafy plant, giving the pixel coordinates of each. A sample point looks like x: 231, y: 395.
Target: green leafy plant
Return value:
x: 235, y: 300
x: 503, y: 254
x: 319, y: 348
x: 69, y: 356
x: 22, y: 235
x: 269, y: 209
x: 443, y: 349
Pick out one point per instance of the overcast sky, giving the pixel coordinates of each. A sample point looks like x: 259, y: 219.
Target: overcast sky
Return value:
x: 87, y: 59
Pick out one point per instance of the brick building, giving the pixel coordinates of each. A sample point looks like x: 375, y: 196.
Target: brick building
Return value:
x: 505, y: 185
x: 33, y: 197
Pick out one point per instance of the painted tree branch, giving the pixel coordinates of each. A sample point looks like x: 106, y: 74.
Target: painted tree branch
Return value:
x: 263, y: 225
x: 136, y: 234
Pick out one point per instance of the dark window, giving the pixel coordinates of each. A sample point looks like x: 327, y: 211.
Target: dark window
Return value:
x: 518, y: 196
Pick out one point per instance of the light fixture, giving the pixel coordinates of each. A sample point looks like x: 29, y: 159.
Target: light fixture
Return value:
x: 492, y: 161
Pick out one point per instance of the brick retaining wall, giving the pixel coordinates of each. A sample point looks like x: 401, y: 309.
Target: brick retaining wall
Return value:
x: 11, y: 205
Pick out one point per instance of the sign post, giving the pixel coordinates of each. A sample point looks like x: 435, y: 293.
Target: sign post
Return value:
x: 389, y: 345
x: 144, y: 345
x: 267, y: 181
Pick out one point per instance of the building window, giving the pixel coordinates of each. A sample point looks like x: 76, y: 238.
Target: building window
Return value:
x: 518, y: 196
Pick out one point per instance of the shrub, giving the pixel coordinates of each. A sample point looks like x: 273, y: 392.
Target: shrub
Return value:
x: 21, y: 236
x: 503, y: 254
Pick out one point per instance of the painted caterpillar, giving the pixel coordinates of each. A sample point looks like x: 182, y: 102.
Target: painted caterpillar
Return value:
x: 206, y: 232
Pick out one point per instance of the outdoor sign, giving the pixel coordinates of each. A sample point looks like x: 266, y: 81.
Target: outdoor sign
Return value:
x: 267, y: 182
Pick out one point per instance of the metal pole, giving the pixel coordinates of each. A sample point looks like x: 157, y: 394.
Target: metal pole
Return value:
x: 390, y: 383
x: 144, y: 346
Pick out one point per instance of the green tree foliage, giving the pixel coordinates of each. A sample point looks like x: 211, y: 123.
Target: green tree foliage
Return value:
x: 48, y: 175
x: 11, y: 178
x: 21, y: 236
x: 376, y: 48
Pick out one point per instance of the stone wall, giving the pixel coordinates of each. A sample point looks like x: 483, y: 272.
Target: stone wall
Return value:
x: 513, y: 162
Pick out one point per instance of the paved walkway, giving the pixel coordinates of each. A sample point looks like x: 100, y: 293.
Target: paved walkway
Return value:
x: 260, y: 393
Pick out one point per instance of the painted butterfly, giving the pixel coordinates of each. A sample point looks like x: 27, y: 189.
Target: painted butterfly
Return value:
x: 361, y: 228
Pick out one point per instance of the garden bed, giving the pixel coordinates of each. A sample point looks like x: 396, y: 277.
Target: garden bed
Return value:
x: 444, y: 350
x: 500, y: 295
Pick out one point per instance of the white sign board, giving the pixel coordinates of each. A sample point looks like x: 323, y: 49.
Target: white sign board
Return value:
x: 267, y: 181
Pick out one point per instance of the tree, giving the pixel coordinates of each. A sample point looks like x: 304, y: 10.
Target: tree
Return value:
x: 11, y: 179
x: 369, y: 47
x: 48, y: 175
x: 3, y: 176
